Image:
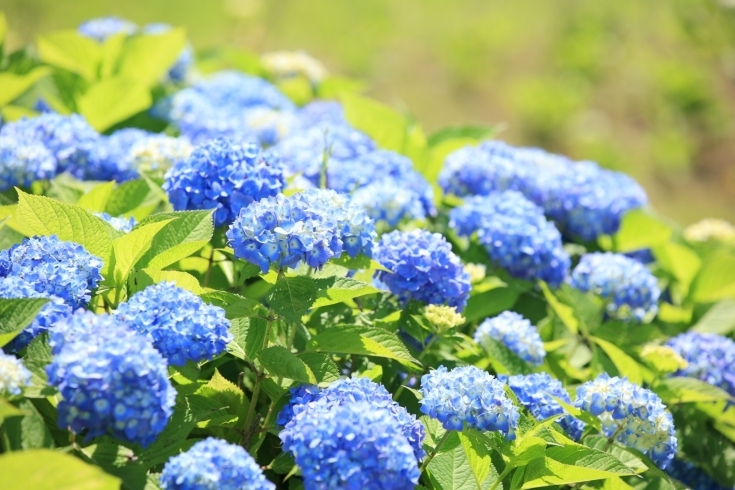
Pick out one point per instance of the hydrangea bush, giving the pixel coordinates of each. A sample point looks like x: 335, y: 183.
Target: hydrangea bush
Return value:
x: 235, y: 281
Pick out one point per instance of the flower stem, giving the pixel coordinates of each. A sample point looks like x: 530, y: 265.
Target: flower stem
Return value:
x: 208, y: 275
x: 433, y: 453
x: 259, y: 375
x: 501, y: 477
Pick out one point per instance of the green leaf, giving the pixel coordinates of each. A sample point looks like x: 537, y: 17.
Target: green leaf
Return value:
x: 358, y: 263
x: 173, y: 439
x: 113, y: 100
x: 382, y: 123
x: 95, y: 200
x: 187, y: 232
x: 129, y: 196
x: 504, y: 360
x: 29, y: 431
x: 3, y: 30
x: 475, y: 132
x: 281, y: 362
x: 40, y: 215
x: 119, y: 461
x: 433, y: 165
x: 323, y: 367
x: 70, y: 50
x: 626, y: 365
x: 235, y: 306
x: 129, y: 248
x: 248, y: 337
x: 719, y: 319
x: 227, y: 394
x: 344, y: 289
x: 293, y: 296
x: 7, y: 410
x: 716, y: 278
x: 462, y: 463
x: 147, y: 58
x: 572, y: 464
x: 43, y: 469
x: 681, y: 261
x: 585, y: 417
x: 17, y: 314
x: 368, y: 341
x: 681, y: 389
x: 564, y: 312
x: 145, y: 277
x: 14, y: 85
x: 110, y: 53
x: 639, y: 229
x: 527, y: 450
x: 490, y: 302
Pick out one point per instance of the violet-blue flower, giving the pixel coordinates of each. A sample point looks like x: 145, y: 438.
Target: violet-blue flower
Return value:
x: 516, y: 333
x: 710, y: 357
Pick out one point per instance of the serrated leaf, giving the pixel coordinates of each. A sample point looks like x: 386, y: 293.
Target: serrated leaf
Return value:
x: 43, y: 469
x: 235, y: 306
x: 14, y: 85
x: 281, y: 362
x: 187, y: 232
x: 95, y: 200
x: 528, y: 449
x: 344, y: 289
x: 227, y: 394
x: 626, y: 365
x: 323, y: 367
x: 368, y: 341
x: 129, y: 248
x: 130, y: 195
x: 564, y: 312
x: 462, y: 463
x: 681, y: 389
x: 572, y: 464
x: 145, y: 277
x: 719, y: 319
x: 112, y: 100
x: 293, y: 296
x: 504, y: 360
x: 40, y: 215
x: 146, y: 58
x: 70, y: 50
x: 17, y: 314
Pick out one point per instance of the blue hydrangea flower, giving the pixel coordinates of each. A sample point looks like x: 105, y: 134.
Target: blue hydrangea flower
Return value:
x: 183, y: 65
x: 468, y: 397
x: 635, y: 416
x: 350, y: 446
x: 693, y: 477
x: 69, y: 138
x: 516, y: 333
x: 14, y: 287
x: 213, y: 464
x: 631, y: 291
x: 120, y: 223
x: 303, y: 152
x: 422, y: 267
x: 312, y: 226
x: 13, y: 375
x: 515, y: 234
x: 54, y: 267
x: 269, y: 126
x: 710, y: 357
x: 101, y: 28
x: 321, y: 112
x: 179, y: 323
x: 537, y: 392
x: 350, y: 390
x: 23, y: 162
x: 111, y: 379
x: 389, y: 201
x: 110, y: 159
x: 225, y: 176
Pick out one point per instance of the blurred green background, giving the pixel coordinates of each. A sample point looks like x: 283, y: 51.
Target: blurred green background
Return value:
x: 647, y: 87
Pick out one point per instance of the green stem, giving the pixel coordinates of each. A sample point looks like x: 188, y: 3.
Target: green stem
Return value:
x: 502, y: 476
x: 208, y: 275
x: 259, y: 375
x: 433, y: 453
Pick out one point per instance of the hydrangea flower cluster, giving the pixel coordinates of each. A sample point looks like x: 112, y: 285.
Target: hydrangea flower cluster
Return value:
x: 23, y: 162
x: 213, y: 464
x: 354, y: 445
x: 351, y: 390
x: 14, y: 287
x: 312, y: 226
x: 54, y: 267
x: 537, y: 392
x: 516, y: 333
x: 443, y: 317
x: 628, y: 286
x: 157, y: 153
x: 709, y: 357
x: 320, y: 113
x: 304, y: 152
x: 287, y: 64
x: 120, y: 223
x: 225, y: 176
x: 423, y: 268
x: 515, y: 234
x: 101, y: 28
x: 269, y: 126
x: 111, y: 379
x: 706, y: 230
x: 477, y: 272
x: 179, y: 323
x: 388, y: 201
x: 13, y: 375
x: 468, y: 397
x: 109, y: 158
x: 635, y: 416
x: 693, y: 477
x: 582, y: 198
x: 69, y: 138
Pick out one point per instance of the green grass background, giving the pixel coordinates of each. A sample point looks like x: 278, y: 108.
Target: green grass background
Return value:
x: 647, y: 87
